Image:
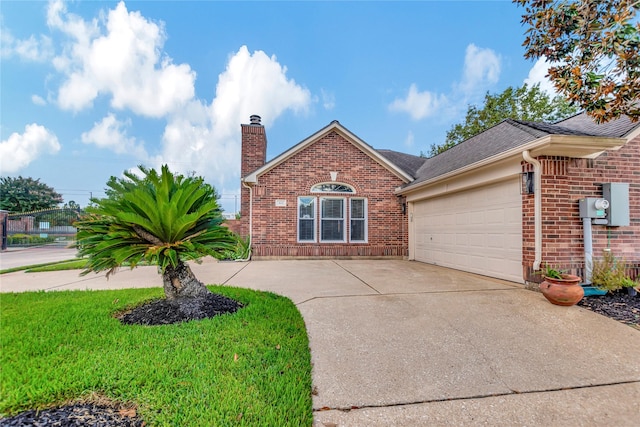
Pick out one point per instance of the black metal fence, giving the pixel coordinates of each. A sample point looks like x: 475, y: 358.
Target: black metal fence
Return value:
x: 51, y: 227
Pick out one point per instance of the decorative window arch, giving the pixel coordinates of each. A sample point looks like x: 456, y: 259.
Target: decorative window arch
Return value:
x: 332, y: 187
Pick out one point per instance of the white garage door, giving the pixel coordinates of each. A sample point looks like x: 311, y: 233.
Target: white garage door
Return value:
x: 477, y: 230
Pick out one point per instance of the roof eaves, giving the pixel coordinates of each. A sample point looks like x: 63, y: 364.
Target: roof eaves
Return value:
x: 565, y: 145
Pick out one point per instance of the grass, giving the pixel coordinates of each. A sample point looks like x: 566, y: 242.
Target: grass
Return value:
x: 249, y: 368
x: 69, y: 264
x: 75, y: 264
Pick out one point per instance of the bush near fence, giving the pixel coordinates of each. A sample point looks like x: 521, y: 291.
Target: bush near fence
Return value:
x: 28, y: 239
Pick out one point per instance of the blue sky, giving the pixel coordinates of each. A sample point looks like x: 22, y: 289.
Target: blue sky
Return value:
x: 91, y: 88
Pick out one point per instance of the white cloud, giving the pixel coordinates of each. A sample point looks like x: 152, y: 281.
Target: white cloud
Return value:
x: 255, y: 84
x: 206, y: 139
x: 409, y: 140
x: 21, y: 149
x: 481, y: 69
x: 31, y: 49
x: 122, y: 59
x: 38, y: 100
x: 119, y: 56
x: 538, y: 73
x: 328, y: 99
x: 418, y: 104
x: 111, y: 134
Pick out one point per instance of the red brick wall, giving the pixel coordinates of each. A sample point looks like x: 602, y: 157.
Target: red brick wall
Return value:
x: 235, y: 225
x: 275, y: 227
x: 564, y: 182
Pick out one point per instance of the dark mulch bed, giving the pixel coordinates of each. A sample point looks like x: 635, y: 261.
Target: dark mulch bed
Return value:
x: 164, y: 312
x: 79, y: 414
x: 616, y: 305
x: 157, y: 312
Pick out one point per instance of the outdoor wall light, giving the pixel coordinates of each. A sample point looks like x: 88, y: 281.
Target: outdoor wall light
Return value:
x: 528, y: 185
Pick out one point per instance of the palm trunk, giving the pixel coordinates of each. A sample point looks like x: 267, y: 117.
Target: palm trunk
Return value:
x: 179, y: 282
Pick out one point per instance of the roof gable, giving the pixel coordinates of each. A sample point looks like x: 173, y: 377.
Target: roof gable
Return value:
x: 334, y: 126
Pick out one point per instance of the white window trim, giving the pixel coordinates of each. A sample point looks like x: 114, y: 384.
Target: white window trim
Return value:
x: 344, y: 219
x: 314, y: 219
x: 365, y: 220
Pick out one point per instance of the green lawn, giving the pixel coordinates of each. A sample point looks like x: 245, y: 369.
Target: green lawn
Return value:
x: 249, y: 368
x: 70, y: 264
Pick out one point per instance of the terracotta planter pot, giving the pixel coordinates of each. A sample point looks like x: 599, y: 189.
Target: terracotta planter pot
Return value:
x: 566, y: 291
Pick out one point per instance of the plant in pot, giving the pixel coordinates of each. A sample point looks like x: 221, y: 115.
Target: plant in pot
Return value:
x: 560, y: 288
x: 631, y: 286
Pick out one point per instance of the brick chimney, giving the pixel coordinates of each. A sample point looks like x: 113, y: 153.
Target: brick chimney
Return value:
x: 254, y: 155
x: 254, y: 146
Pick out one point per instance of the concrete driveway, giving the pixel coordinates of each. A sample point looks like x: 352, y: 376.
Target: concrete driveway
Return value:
x: 400, y: 343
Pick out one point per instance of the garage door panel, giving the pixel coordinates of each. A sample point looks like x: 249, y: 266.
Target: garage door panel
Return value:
x: 478, y: 230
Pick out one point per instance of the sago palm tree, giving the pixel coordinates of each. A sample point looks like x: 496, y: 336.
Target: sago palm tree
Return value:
x: 160, y: 219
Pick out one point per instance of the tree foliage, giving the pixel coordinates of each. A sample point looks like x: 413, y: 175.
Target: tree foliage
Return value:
x: 159, y: 218
x: 523, y: 103
x: 26, y: 195
x: 593, y: 46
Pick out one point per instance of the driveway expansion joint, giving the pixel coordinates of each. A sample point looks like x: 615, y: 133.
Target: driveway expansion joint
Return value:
x: 483, y: 396
x: 356, y: 276
x: 246, y: 264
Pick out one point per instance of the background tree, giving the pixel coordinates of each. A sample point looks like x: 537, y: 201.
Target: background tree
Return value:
x: 593, y: 46
x: 72, y: 205
x: 26, y: 195
x: 161, y: 219
x: 523, y: 103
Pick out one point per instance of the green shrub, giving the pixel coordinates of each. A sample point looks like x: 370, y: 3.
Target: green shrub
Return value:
x: 28, y: 239
x: 610, y: 273
x: 241, y: 251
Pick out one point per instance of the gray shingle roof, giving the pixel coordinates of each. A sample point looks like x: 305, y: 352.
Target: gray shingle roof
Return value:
x: 407, y: 162
x: 510, y: 134
x: 583, y: 123
x: 504, y: 136
x: 549, y: 129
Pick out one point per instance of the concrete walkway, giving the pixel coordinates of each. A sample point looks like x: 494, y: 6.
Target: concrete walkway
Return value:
x: 400, y: 343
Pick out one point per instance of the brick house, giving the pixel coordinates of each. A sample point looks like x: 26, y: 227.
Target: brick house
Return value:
x: 331, y: 195
x: 500, y: 204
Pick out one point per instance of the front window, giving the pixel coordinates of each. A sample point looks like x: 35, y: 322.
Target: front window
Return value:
x: 307, y: 219
x: 332, y: 220
x: 358, y: 213
x: 340, y: 217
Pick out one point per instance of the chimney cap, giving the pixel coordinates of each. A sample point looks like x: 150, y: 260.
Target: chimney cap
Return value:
x: 255, y: 119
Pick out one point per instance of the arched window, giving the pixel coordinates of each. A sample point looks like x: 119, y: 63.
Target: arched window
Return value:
x: 332, y: 187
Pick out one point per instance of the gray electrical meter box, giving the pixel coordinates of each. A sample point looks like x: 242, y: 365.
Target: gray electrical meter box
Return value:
x: 593, y: 208
x: 617, y: 193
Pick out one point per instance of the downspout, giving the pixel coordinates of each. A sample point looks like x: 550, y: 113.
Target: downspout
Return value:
x: 244, y: 184
x: 537, y: 208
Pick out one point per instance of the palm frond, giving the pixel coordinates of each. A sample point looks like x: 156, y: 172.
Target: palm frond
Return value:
x: 158, y: 218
